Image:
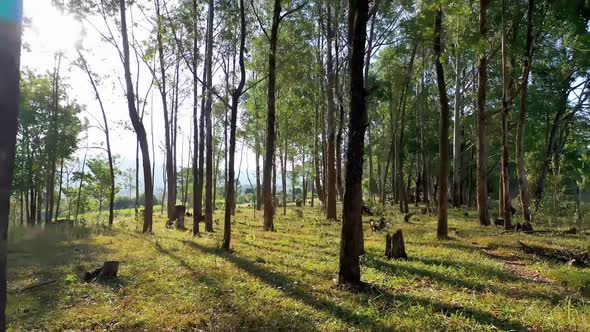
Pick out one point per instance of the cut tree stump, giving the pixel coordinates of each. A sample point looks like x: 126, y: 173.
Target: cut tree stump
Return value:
x: 394, y: 246
x: 179, y: 211
x: 108, y: 270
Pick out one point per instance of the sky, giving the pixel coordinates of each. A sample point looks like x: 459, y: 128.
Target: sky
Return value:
x: 48, y: 30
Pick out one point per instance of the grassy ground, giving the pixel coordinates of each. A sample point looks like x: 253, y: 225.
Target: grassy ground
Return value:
x: 285, y: 280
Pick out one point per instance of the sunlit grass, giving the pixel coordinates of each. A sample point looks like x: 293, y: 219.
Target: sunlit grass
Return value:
x: 285, y: 280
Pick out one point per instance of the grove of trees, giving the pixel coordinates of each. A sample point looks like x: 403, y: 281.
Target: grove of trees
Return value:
x: 469, y: 104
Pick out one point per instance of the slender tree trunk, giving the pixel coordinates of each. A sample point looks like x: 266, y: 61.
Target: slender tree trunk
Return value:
x: 457, y: 134
x: 331, y: 182
x: 61, y: 172
x: 443, y: 202
x: 138, y: 127
x: 505, y: 175
x: 53, y: 142
x: 351, y: 242
x: 209, y: 156
x: 482, y: 134
x: 230, y: 191
x: 168, y: 123
x: 197, y: 154
x: 270, y: 121
x: 80, y: 187
x: 107, y: 137
x: 520, y: 170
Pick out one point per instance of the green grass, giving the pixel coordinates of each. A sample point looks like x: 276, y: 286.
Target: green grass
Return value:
x: 285, y: 280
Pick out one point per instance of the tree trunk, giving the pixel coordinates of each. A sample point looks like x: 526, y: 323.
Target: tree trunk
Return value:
x: 482, y: 134
x: 505, y: 175
x: 457, y: 135
x: 208, y: 105
x: 270, y: 120
x: 107, y: 137
x: 61, y: 172
x: 80, y: 187
x: 331, y: 148
x: 138, y: 127
x: 443, y: 202
x: 52, y: 142
x: 10, y: 39
x: 351, y: 242
x: 236, y: 94
x: 520, y: 170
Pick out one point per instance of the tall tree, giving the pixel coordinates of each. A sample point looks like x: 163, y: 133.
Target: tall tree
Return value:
x: 105, y: 129
x: 230, y: 193
x: 482, y: 129
x: 10, y: 46
x: 524, y: 84
x: 443, y: 202
x: 351, y: 241
x: 168, y: 121
x: 505, y: 204
x: 137, y: 126
x: 209, y: 128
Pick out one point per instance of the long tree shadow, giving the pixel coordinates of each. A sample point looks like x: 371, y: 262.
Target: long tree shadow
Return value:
x: 303, y: 293
x: 403, y: 268
x: 219, y: 290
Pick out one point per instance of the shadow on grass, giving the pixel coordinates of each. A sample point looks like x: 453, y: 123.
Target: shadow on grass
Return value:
x: 224, y: 293
x: 40, y: 254
x: 303, y: 293
x: 513, y: 292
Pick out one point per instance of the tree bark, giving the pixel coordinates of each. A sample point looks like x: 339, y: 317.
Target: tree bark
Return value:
x: 505, y: 175
x: 10, y: 39
x: 236, y: 94
x: 137, y: 126
x: 443, y: 202
x: 208, y: 105
x: 457, y: 135
x: 331, y: 183
x: 520, y: 170
x: 270, y: 120
x: 482, y: 134
x: 351, y: 242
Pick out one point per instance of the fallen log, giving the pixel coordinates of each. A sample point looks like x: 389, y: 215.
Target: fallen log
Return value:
x: 580, y: 259
x: 38, y: 285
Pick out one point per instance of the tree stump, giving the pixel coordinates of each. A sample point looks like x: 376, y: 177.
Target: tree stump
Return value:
x: 394, y: 246
x: 179, y: 211
x: 108, y: 270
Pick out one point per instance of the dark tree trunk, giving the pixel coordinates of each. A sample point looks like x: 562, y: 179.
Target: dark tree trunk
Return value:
x: 10, y: 39
x: 168, y: 123
x: 457, y: 135
x: 59, y: 189
x: 138, y: 127
x: 52, y: 142
x: 520, y: 170
x: 208, y: 104
x: 331, y: 148
x: 482, y: 131
x: 504, y: 174
x: 230, y: 192
x: 270, y: 121
x: 443, y: 202
x: 351, y: 242
x: 197, y: 152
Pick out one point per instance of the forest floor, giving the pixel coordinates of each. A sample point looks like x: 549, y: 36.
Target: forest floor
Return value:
x: 479, y: 280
